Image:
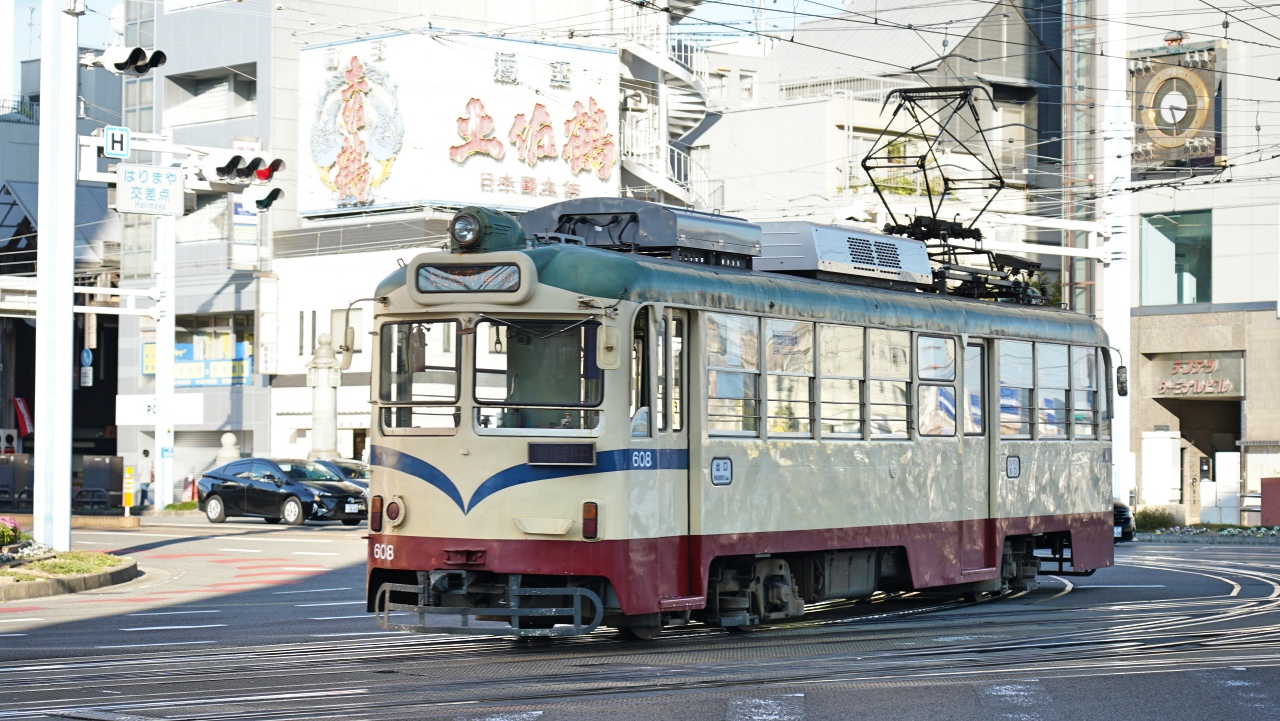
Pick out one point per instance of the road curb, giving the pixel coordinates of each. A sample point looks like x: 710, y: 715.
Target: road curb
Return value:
x: 1204, y: 540
x: 170, y: 514
x: 108, y: 522
x: 68, y: 584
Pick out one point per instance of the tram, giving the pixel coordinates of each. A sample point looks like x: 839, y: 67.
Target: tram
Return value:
x: 620, y: 413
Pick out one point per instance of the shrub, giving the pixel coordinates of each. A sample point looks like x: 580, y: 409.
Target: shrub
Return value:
x: 182, y: 506
x: 10, y: 531
x: 1151, y: 519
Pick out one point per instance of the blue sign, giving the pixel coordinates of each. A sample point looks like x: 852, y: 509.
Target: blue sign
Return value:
x: 86, y: 357
x: 115, y: 142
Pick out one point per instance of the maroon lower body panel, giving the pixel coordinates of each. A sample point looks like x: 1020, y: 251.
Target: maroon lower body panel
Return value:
x: 654, y: 574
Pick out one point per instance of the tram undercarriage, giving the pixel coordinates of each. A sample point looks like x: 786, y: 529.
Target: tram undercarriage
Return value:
x: 743, y: 592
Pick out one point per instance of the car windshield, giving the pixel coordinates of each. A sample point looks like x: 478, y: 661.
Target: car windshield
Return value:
x: 358, y: 471
x: 307, y: 471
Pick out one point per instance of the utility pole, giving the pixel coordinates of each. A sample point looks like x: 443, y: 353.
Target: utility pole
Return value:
x: 166, y: 336
x: 1117, y: 147
x: 55, y: 266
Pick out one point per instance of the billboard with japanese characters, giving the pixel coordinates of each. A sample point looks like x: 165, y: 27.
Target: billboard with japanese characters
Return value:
x: 454, y: 119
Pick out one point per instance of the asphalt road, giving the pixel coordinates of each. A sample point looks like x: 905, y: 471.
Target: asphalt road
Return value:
x: 244, y: 621
x: 202, y: 585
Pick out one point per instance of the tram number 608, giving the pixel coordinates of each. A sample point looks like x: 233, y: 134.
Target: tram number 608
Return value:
x: 642, y: 459
x: 384, y: 551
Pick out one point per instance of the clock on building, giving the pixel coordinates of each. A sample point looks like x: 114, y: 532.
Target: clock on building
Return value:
x: 1174, y: 91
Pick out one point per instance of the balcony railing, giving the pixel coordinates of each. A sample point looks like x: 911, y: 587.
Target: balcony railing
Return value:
x: 18, y: 110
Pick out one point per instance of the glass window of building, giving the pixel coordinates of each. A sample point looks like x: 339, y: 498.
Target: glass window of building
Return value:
x: 747, y: 86
x: 1177, y: 258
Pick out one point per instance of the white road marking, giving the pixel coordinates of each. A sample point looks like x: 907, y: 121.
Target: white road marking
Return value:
x: 311, y: 590
x: 370, y: 633
x: 1069, y: 586
x: 174, y: 628
x: 148, y: 645
x: 130, y: 534
x: 18, y: 620
x: 247, y: 537
x: 11, y: 635
x: 91, y: 543
x: 241, y: 550
x: 313, y: 553
x: 329, y: 603
x: 773, y: 708
x: 520, y: 716
x: 343, y: 618
x: 171, y: 613
x: 1121, y: 585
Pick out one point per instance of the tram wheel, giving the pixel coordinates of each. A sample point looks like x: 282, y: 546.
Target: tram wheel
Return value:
x: 639, y: 633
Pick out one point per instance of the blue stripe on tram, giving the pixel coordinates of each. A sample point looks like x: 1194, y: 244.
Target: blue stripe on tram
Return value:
x: 625, y: 459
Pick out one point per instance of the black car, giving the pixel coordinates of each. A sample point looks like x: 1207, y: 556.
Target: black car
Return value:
x: 1124, y: 524
x: 280, y: 489
x: 351, y: 471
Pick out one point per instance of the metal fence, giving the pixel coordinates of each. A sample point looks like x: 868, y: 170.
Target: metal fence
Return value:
x: 17, y: 110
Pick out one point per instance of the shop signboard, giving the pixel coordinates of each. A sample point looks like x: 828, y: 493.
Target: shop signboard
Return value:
x: 455, y: 119
x: 193, y: 366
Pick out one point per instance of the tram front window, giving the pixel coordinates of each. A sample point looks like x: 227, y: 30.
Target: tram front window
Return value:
x: 418, y: 378
x: 537, y: 374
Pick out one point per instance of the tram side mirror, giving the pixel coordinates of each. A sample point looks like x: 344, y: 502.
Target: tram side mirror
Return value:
x: 1122, y: 381
x: 348, y: 340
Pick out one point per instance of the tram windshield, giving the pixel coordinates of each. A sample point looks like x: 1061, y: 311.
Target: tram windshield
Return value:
x: 418, y: 378
x: 535, y: 373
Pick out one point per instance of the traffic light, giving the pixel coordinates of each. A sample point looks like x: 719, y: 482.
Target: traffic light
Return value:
x: 238, y: 168
x: 122, y: 60
x: 259, y: 198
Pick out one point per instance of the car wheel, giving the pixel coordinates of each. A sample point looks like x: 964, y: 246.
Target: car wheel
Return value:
x: 351, y: 521
x: 292, y: 512
x: 272, y: 520
x: 214, y: 510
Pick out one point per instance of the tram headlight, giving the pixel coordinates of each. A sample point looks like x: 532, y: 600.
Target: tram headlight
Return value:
x: 464, y: 229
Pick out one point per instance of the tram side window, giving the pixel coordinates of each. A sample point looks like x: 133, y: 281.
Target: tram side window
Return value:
x: 842, y: 367
x: 677, y: 374
x: 889, y: 352
x: 1084, y: 391
x: 936, y: 405
x: 1104, y: 396
x: 733, y: 396
x: 1017, y: 378
x: 974, y: 378
x: 789, y: 377
x: 1053, y: 379
x: 418, y: 373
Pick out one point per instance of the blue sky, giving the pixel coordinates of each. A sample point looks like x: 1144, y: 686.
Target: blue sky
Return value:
x: 95, y: 30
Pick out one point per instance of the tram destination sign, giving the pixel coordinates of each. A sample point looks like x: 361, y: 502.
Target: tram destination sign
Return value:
x: 1208, y: 376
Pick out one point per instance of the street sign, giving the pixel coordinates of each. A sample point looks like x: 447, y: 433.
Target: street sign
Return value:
x: 86, y: 357
x: 116, y: 142
x: 149, y: 189
x: 86, y: 376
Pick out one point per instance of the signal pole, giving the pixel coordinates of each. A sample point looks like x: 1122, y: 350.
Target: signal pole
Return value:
x: 55, y: 266
x: 1117, y: 149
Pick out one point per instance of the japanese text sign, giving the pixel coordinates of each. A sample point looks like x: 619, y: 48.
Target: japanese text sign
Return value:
x: 1197, y: 375
x: 149, y: 189
x: 461, y: 120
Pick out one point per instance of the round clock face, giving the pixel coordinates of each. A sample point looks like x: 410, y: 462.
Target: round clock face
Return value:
x: 1176, y: 106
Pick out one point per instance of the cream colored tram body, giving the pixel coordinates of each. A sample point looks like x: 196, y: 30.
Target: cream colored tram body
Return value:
x: 568, y: 431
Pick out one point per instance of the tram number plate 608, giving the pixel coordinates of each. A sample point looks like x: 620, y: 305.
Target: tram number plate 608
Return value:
x: 384, y: 551
x: 642, y: 459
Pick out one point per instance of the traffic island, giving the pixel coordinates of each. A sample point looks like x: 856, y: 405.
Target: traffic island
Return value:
x: 29, y: 571
x: 104, y: 521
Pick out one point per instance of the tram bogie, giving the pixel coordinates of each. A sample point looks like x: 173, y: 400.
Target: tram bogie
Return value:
x: 573, y: 436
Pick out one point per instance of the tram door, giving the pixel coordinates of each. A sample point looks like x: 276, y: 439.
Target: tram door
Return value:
x: 659, y: 435
x: 978, y: 532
